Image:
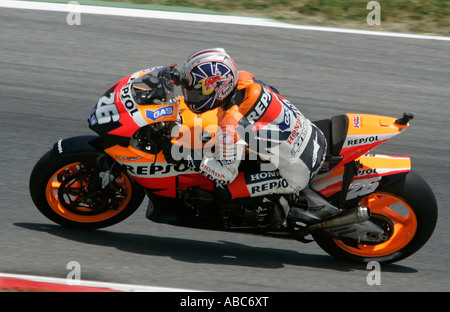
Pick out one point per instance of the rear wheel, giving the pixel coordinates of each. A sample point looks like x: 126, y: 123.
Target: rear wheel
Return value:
x: 406, y: 210
x: 74, y: 194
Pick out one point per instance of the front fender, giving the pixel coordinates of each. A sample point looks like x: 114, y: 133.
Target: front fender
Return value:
x: 78, y: 144
x: 85, y: 146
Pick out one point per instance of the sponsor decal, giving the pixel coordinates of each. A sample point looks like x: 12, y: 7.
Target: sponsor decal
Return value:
x: 151, y: 69
x: 364, y: 172
x: 261, y: 176
x: 294, y: 137
x: 60, y: 149
x: 92, y: 119
x: 362, y: 140
x: 260, y: 107
x: 269, y: 186
x: 127, y: 100
x: 213, y: 175
x: 130, y: 105
x: 325, y: 167
x: 213, y: 77
x: 160, y: 169
x: 209, y: 84
x: 227, y: 147
x: 129, y: 158
x: 266, y: 182
x: 286, y: 123
x: 356, y: 122
x: 160, y: 112
x: 225, y: 88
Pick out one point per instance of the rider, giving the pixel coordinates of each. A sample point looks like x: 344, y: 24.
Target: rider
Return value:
x: 255, y: 120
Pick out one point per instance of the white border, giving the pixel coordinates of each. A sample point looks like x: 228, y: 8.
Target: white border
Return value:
x: 191, y: 17
x: 206, y: 18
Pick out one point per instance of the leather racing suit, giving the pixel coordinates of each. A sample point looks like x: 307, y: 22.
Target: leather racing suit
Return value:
x: 259, y: 124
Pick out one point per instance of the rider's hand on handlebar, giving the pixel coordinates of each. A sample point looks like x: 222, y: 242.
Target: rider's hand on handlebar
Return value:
x: 175, y: 75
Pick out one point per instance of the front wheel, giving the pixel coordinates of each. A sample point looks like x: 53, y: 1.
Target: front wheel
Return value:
x: 72, y: 193
x: 407, y: 210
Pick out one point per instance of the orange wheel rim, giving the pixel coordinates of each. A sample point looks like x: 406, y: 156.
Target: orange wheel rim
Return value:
x: 86, y: 214
x: 402, y: 216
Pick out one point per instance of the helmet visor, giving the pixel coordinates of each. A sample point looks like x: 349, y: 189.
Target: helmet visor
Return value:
x: 193, y: 96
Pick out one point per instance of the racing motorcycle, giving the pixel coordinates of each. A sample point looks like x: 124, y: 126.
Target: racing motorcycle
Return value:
x: 360, y: 207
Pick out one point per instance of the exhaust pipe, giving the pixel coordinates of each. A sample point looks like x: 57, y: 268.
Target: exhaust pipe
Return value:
x: 355, y: 215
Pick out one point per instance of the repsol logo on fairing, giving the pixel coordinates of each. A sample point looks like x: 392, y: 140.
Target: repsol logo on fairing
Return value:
x: 260, y: 107
x: 269, y: 186
x: 363, y: 140
x: 366, y: 172
x: 156, y: 169
x: 127, y: 100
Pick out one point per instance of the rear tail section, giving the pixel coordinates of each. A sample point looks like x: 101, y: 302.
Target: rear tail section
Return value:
x: 372, y: 171
x: 348, y: 166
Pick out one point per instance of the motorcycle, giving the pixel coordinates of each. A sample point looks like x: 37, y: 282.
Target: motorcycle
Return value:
x: 359, y: 207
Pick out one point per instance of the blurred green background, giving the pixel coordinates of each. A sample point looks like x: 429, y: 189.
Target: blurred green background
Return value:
x: 414, y: 16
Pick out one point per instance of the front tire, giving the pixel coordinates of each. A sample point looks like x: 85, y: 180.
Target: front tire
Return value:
x: 69, y: 192
x: 411, y: 208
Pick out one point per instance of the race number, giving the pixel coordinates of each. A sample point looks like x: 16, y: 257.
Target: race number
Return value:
x: 363, y: 187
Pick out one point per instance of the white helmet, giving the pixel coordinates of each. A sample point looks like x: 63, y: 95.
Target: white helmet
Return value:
x: 208, y: 77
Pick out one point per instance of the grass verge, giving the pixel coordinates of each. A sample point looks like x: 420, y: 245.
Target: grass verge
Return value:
x: 413, y: 16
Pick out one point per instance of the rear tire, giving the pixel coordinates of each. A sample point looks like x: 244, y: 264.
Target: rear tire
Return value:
x: 63, y: 189
x: 411, y: 207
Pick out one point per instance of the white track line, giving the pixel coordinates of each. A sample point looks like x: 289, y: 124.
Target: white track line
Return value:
x: 113, y: 286
x: 197, y: 17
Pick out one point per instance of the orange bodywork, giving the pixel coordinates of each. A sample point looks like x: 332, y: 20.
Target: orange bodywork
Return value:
x: 195, y: 126
x: 199, y: 131
x: 153, y: 172
x: 371, y: 166
x: 364, y: 133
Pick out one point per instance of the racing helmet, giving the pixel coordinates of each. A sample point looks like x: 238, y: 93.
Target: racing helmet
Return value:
x: 155, y: 87
x: 208, y: 77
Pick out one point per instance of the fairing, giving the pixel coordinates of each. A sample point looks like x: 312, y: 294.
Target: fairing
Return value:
x: 118, y: 114
x: 364, y: 133
x: 373, y: 169
x: 154, y: 173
